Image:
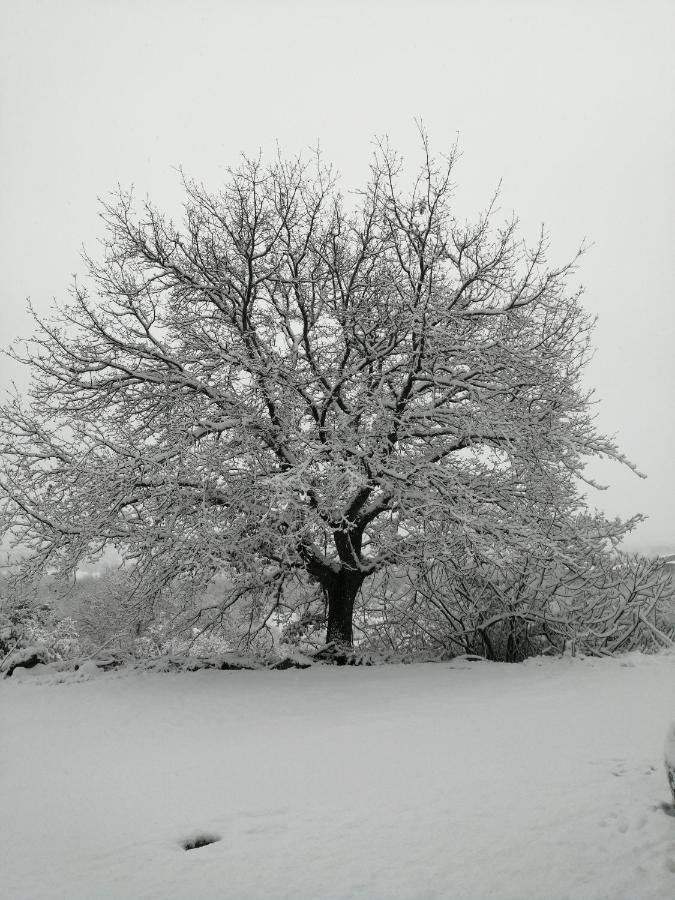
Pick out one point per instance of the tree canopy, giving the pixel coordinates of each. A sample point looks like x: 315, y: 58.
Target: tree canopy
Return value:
x: 294, y: 386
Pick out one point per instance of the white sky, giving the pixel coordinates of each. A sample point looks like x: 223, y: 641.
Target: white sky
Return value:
x: 571, y: 104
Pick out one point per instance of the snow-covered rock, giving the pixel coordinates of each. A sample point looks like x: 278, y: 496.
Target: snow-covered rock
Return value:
x: 26, y: 658
x: 88, y: 669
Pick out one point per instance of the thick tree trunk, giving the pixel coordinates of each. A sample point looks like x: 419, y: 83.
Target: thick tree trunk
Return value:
x: 341, y: 591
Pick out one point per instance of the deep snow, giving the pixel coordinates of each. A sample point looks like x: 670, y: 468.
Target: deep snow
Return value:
x: 456, y: 780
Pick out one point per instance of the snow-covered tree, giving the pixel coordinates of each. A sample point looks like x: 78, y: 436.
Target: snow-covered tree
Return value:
x: 295, y: 388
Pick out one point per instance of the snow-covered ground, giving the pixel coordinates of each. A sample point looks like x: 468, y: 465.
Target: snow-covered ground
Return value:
x: 456, y: 780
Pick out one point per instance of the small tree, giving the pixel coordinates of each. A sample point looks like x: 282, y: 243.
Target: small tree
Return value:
x: 290, y: 385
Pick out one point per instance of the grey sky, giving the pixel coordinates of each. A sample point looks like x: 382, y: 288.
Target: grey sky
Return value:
x: 571, y: 105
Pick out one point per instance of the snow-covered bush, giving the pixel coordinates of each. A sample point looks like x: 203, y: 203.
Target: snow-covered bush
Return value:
x: 105, y: 614
x: 27, y: 622
x: 508, y: 605
x: 190, y: 616
x: 60, y: 636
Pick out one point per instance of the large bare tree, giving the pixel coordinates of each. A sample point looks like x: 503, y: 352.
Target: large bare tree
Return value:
x: 291, y: 383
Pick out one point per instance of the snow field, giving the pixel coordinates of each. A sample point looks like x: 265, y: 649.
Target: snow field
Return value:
x: 543, y: 780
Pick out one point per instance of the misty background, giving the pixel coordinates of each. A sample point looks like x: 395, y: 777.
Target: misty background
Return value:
x: 571, y: 106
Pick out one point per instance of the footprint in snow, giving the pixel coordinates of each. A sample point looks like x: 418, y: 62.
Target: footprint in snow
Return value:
x: 265, y: 828
x: 614, y: 820
x: 622, y: 823
x: 199, y: 840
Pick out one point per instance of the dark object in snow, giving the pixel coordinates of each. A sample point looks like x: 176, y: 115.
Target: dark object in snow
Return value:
x: 289, y: 663
x: 26, y: 658
x: 670, y: 772
x: 669, y: 759
x: 112, y: 661
x: 223, y: 661
x: 202, y: 840
x: 235, y: 664
x: 227, y: 661
x: 340, y: 655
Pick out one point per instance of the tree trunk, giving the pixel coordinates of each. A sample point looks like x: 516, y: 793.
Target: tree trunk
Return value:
x: 341, y: 591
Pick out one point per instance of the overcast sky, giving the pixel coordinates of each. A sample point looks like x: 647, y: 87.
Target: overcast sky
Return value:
x: 570, y: 105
